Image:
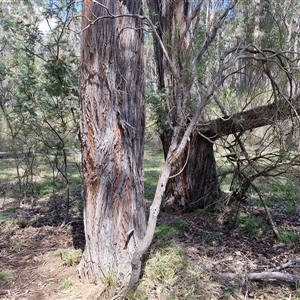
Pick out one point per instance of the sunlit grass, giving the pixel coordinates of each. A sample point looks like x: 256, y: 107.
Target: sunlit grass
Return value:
x: 69, y: 257
x: 288, y: 236
x: 169, y: 275
x: 66, y: 283
x: 167, y: 232
x: 153, y: 162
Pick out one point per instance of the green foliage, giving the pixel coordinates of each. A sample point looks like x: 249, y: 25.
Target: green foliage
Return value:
x: 288, y: 237
x: 69, y: 257
x: 4, y: 216
x: 285, y: 190
x: 39, y: 98
x: 66, y: 283
x: 252, y: 225
x: 157, y: 109
x: 6, y: 275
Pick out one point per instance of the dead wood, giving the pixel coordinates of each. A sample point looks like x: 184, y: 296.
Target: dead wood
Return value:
x: 251, y: 119
x: 270, y: 274
x: 285, y: 265
x: 266, y: 275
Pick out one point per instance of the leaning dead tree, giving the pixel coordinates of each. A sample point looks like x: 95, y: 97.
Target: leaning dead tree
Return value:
x: 253, y: 118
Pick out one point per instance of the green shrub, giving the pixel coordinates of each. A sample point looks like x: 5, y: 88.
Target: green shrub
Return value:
x: 69, y: 257
x: 66, y: 283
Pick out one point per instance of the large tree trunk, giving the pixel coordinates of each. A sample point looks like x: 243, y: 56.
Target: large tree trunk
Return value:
x: 193, y: 182
x: 112, y: 132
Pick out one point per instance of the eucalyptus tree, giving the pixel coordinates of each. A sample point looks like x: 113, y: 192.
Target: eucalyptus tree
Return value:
x: 112, y: 135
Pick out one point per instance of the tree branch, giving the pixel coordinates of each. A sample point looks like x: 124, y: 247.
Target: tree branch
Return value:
x: 251, y: 119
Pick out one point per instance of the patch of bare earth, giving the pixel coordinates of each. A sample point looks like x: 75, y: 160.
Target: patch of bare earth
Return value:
x: 30, y: 242
x: 31, y: 254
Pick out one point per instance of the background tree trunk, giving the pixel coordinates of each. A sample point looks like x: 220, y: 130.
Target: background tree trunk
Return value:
x: 193, y: 182
x: 112, y: 132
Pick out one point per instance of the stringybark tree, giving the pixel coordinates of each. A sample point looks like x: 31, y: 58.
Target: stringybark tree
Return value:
x: 112, y: 133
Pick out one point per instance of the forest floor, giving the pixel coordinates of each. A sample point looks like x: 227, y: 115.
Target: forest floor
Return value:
x: 38, y: 256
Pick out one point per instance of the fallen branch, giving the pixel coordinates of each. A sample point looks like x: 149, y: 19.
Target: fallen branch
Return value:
x: 285, y: 265
x: 261, y: 276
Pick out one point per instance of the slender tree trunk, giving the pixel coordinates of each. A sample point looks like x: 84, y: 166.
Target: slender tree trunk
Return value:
x: 112, y: 133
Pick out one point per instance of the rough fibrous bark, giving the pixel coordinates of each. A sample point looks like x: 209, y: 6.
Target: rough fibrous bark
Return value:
x: 193, y: 182
x: 112, y: 133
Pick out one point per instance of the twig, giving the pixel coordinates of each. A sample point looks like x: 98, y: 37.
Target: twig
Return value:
x: 246, y: 284
x: 286, y: 265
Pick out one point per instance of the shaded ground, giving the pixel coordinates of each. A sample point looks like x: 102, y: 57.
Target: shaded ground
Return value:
x: 220, y: 246
x: 40, y: 253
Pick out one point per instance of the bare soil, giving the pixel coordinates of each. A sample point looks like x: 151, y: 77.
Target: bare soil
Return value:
x: 32, y: 235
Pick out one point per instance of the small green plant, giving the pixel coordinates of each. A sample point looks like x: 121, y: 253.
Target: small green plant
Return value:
x: 6, y: 275
x: 252, y: 225
x: 287, y: 236
x: 289, y: 210
x: 110, y: 279
x: 69, y: 257
x: 66, y: 283
x: 19, y: 245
